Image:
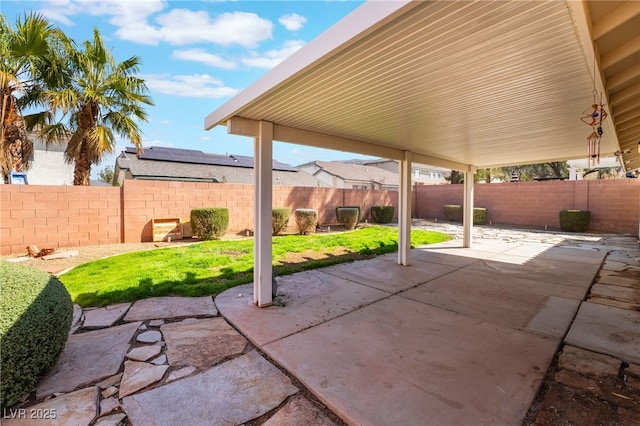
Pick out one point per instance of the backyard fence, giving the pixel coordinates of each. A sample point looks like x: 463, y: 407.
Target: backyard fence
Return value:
x: 73, y: 216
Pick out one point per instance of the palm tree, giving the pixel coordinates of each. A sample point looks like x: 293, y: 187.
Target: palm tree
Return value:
x: 29, y: 61
x: 102, y: 99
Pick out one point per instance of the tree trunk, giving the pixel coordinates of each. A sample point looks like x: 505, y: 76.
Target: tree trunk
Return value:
x: 17, y: 149
x: 82, y: 169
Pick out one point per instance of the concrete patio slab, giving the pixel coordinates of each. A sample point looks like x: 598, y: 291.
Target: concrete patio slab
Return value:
x: 555, y: 316
x: 88, y: 357
x: 608, y: 330
x: 304, y: 300
x: 574, y: 254
x: 171, y: 307
x: 501, y: 299
x: 398, y: 361
x: 385, y: 273
x: 231, y: 393
x: 542, y: 269
x: 430, y: 254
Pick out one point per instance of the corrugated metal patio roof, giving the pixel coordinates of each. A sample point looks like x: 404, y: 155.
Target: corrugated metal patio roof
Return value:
x: 457, y: 83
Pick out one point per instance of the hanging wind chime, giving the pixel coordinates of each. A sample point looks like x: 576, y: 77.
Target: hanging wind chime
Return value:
x: 594, y: 116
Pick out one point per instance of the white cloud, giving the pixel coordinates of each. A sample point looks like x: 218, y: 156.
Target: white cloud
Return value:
x: 188, y: 86
x: 293, y: 21
x: 122, y: 12
x: 139, y: 22
x: 272, y: 58
x: 200, y: 55
x: 183, y: 26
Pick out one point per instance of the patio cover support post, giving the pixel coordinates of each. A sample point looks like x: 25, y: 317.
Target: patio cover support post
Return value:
x: 404, y: 211
x: 467, y: 209
x: 263, y: 163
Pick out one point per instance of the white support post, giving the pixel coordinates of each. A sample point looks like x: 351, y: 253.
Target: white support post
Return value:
x: 467, y: 209
x: 404, y: 211
x: 263, y: 163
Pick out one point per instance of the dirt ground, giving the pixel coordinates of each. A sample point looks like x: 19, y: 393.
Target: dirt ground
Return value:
x: 86, y: 254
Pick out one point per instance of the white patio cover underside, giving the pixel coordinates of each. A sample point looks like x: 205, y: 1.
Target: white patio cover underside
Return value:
x: 456, y: 84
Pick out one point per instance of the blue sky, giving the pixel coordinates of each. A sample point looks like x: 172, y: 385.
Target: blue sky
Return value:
x: 195, y: 56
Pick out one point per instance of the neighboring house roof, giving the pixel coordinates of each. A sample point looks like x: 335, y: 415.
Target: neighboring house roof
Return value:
x: 159, y: 163
x: 357, y: 173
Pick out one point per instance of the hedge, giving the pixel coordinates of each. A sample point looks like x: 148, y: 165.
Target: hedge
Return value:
x: 382, y: 214
x: 36, y: 318
x: 348, y: 216
x: 279, y: 220
x: 307, y: 220
x: 209, y: 223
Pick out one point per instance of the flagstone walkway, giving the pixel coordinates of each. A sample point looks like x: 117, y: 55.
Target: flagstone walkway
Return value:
x: 353, y: 336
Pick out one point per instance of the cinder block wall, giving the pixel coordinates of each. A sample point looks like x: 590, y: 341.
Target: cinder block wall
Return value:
x: 70, y: 216
x: 614, y: 204
x: 58, y: 216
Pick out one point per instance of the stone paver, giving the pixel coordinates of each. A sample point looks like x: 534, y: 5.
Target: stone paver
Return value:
x: 88, y: 357
x: 76, y: 408
x: 587, y: 362
x: 299, y: 411
x: 112, y: 420
x: 104, y: 317
x: 623, y: 294
x: 606, y: 329
x: 139, y: 375
x: 231, y: 393
x: 618, y: 279
x: 179, y: 374
x: 144, y: 353
x: 171, y: 307
x: 151, y: 336
x: 201, y: 343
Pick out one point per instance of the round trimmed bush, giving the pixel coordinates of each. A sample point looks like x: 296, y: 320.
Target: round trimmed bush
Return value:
x: 575, y: 220
x: 348, y: 216
x: 36, y: 318
x: 279, y: 220
x: 210, y: 223
x: 306, y: 219
x: 382, y: 214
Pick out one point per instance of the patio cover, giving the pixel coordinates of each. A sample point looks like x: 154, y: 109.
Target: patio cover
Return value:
x: 461, y: 85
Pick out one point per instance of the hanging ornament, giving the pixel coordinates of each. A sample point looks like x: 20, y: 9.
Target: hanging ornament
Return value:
x: 594, y: 116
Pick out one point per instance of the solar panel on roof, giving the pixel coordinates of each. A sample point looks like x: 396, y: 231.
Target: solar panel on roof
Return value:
x: 179, y: 155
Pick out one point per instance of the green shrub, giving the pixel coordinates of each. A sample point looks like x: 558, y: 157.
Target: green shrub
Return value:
x: 453, y: 213
x: 349, y: 207
x: 279, y: 220
x: 479, y: 216
x: 575, y: 220
x: 306, y: 219
x: 382, y: 214
x: 34, y: 326
x: 348, y: 216
x: 210, y: 223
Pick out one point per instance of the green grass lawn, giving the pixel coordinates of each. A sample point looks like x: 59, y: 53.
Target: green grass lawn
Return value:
x: 211, y: 267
